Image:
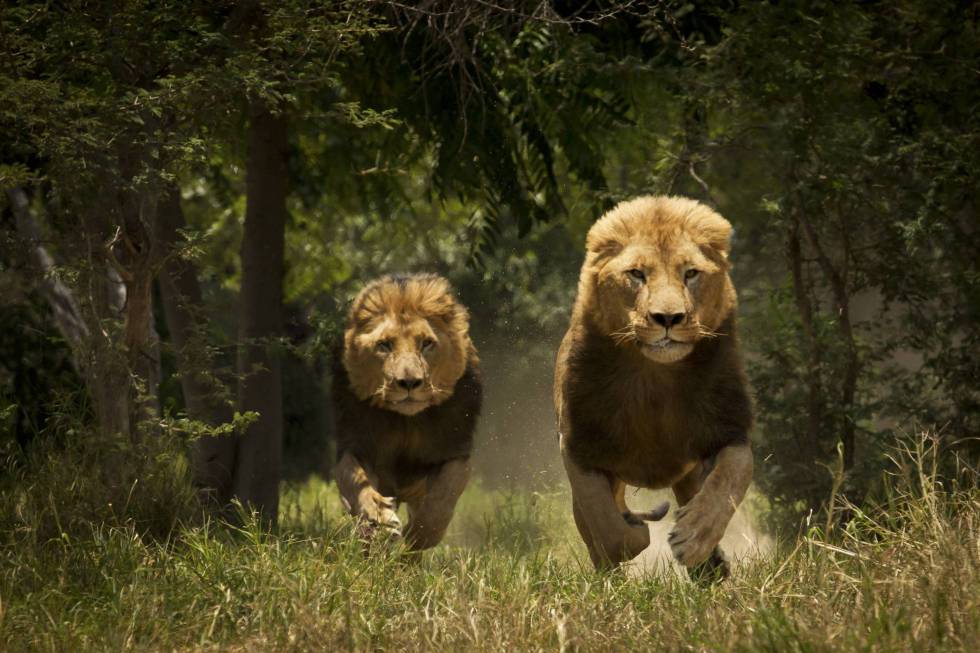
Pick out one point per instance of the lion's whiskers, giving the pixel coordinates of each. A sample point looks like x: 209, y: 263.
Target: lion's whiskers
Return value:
x: 382, y: 389
x: 436, y: 390
x: 705, y: 332
x: 625, y: 334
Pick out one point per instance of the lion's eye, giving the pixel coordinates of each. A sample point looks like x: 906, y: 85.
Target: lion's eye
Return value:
x: 691, y: 274
x: 383, y: 347
x: 427, y: 344
x: 637, y: 274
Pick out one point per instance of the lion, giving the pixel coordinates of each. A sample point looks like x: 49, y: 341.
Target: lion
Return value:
x: 406, y: 397
x: 649, y: 385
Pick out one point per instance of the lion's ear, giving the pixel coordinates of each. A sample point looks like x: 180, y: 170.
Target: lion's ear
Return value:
x: 461, y: 315
x: 440, y: 307
x: 604, y: 247
x: 714, y: 232
x: 608, y: 236
x: 459, y: 321
x: 367, y: 306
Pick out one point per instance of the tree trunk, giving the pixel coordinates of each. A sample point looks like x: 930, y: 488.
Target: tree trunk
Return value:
x: 142, y: 349
x: 841, y: 294
x: 259, y: 457
x: 134, y: 255
x: 695, y: 124
x: 811, y: 350
x: 67, y: 318
x: 212, y: 458
x: 123, y: 386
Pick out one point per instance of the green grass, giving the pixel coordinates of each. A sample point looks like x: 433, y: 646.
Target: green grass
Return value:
x: 511, y: 575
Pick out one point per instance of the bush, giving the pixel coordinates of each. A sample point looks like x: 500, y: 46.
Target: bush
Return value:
x: 63, y: 488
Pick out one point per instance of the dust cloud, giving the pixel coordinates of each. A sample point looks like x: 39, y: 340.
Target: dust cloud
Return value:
x: 516, y: 443
x: 742, y: 543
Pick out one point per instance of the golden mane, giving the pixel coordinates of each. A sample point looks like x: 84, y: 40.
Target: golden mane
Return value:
x: 426, y: 295
x: 658, y: 220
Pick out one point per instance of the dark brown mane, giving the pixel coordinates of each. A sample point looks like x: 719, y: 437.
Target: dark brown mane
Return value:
x: 404, y: 448
x: 623, y: 406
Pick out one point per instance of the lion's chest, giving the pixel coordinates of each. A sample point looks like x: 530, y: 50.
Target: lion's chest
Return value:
x: 414, y: 448
x: 636, y: 429
x: 399, y: 450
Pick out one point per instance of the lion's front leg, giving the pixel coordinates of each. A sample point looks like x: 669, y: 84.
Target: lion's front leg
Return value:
x: 612, y: 534
x: 430, y: 512
x: 358, y: 491
x: 702, y: 520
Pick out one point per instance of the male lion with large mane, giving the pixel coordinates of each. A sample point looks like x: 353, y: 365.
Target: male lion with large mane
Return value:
x: 406, y: 395
x: 649, y: 386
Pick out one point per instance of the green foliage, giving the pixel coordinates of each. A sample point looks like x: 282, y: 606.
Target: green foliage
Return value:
x: 66, y: 488
x: 132, y: 97
x: 501, y: 123
x: 480, y: 141
x: 37, y: 381
x: 191, y: 429
x: 842, y: 129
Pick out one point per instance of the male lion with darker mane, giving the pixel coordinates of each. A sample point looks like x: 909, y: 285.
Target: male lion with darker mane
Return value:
x: 649, y: 386
x: 406, y: 396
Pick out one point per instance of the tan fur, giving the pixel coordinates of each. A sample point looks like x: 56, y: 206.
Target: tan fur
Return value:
x: 431, y: 504
x: 359, y: 496
x: 702, y: 519
x: 648, y: 383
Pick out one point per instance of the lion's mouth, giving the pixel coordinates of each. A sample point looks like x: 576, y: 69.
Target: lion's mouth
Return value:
x: 407, y: 405
x: 663, y: 343
x: 666, y: 349
x: 406, y: 401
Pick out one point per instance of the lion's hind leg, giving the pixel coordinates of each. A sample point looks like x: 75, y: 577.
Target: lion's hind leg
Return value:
x: 431, y: 510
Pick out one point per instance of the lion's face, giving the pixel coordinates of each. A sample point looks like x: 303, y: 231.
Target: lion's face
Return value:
x: 407, y: 343
x: 396, y: 359
x: 658, y: 272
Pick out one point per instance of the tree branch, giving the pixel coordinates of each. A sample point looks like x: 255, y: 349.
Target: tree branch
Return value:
x: 67, y: 316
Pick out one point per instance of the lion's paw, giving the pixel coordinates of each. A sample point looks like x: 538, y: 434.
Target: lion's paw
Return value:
x: 698, y: 530
x: 369, y: 529
x: 713, y: 570
x: 378, y: 517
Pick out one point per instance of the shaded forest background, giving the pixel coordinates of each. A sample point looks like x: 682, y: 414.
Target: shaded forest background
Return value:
x: 194, y: 191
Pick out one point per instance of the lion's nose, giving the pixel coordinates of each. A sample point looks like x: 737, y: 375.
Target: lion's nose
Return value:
x: 667, y: 320
x: 409, y: 383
